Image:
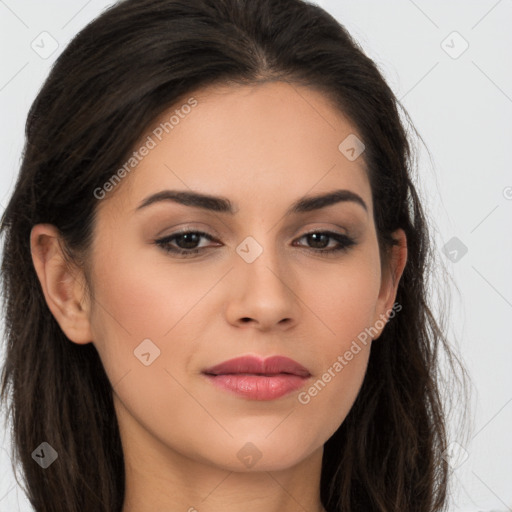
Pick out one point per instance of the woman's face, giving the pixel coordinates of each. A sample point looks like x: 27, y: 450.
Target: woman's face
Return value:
x: 259, y: 287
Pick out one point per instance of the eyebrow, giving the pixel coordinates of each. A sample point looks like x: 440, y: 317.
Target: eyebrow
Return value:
x: 224, y: 205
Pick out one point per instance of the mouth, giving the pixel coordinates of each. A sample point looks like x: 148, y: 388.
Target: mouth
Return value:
x: 258, y: 379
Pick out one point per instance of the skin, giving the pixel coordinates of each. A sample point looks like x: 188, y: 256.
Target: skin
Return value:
x: 263, y: 147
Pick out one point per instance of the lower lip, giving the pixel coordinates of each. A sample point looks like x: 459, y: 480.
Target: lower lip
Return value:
x: 258, y: 387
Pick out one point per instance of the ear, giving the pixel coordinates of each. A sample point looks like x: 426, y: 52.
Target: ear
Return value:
x: 391, y: 274
x: 62, y: 285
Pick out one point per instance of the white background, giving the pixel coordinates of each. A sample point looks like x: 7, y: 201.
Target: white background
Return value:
x: 462, y: 108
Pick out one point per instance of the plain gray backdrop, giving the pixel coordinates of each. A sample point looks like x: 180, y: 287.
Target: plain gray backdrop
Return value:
x: 449, y: 64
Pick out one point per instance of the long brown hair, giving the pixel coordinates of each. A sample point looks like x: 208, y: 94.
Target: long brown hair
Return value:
x: 115, y: 77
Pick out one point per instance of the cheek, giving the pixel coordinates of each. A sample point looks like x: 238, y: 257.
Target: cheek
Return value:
x: 345, y: 303
x: 344, y: 297
x: 135, y: 304
x: 144, y: 298
x: 342, y: 351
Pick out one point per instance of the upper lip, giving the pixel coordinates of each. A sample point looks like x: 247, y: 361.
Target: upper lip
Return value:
x: 273, y: 365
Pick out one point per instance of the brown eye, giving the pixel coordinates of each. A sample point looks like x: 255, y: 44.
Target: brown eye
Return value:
x: 319, y: 241
x: 183, y: 242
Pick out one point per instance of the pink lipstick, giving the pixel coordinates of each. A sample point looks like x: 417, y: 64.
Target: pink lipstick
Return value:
x: 259, y: 379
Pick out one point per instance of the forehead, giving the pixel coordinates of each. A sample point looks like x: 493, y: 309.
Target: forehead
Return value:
x: 275, y: 141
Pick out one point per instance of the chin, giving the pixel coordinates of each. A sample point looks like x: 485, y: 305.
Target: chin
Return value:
x: 274, y: 453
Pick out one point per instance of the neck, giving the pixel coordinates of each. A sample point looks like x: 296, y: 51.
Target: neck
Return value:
x: 164, y: 480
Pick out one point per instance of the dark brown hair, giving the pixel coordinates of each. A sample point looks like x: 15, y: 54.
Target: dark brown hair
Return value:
x: 115, y: 78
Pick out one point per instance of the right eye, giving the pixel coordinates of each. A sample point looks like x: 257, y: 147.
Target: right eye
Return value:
x: 189, y: 239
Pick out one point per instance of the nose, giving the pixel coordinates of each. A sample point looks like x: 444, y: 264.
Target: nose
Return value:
x: 263, y: 293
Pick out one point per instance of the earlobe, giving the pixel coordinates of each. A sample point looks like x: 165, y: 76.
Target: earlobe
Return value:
x: 391, y: 276
x: 62, y: 286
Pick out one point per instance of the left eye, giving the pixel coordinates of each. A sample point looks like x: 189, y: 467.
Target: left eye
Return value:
x: 186, y: 242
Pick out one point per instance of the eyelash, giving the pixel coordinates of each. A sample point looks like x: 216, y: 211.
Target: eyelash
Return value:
x: 345, y: 243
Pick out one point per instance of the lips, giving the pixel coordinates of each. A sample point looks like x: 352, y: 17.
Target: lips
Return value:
x: 258, y: 379
x: 254, y: 366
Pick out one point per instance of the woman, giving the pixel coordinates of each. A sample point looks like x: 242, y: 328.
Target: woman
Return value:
x: 215, y: 271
